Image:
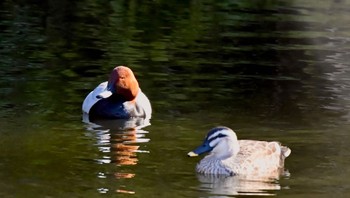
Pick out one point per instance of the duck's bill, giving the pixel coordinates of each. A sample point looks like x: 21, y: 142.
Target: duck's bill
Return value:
x: 205, y: 147
x: 192, y: 154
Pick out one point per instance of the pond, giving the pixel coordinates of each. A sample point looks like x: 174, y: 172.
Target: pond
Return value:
x: 270, y: 70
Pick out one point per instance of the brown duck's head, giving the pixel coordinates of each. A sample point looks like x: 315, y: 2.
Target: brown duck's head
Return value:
x: 122, y: 81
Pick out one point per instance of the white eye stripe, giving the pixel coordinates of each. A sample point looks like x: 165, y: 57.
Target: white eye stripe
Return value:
x: 215, y: 138
x: 214, y: 142
x: 218, y: 134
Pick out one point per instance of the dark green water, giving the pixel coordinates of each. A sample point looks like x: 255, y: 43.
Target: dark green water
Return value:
x: 271, y: 70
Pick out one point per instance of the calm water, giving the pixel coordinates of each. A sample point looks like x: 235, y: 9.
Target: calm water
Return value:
x: 271, y: 70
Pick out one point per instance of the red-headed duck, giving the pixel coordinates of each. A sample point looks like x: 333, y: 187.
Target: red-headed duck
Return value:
x: 118, y: 98
x: 229, y: 156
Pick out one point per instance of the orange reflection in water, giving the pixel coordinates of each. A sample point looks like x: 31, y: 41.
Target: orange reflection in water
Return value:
x: 125, y: 191
x: 123, y: 152
x: 119, y: 139
x: 122, y: 148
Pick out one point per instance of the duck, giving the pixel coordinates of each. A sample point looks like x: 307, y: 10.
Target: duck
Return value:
x: 118, y: 98
x: 229, y: 156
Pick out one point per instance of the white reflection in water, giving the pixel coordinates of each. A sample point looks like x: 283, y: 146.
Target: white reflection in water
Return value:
x: 118, y: 140
x: 104, y: 160
x: 101, y: 175
x: 103, y: 190
x: 238, y: 185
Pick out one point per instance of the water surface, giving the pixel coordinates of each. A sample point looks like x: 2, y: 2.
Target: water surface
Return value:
x: 271, y: 70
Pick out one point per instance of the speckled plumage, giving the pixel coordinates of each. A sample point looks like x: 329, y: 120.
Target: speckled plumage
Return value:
x: 229, y: 156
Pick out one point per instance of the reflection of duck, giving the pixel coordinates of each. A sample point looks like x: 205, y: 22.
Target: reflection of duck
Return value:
x: 118, y: 140
x: 116, y: 124
x: 223, y: 185
x: 123, y: 148
x: 229, y: 156
x: 120, y: 97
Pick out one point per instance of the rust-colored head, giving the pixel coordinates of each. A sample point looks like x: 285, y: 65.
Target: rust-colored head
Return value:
x: 123, y: 82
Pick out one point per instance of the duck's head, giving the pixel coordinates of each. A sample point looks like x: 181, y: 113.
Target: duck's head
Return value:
x: 221, y: 142
x: 121, y: 81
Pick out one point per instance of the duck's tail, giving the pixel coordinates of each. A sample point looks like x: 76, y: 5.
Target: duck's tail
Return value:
x: 285, y: 151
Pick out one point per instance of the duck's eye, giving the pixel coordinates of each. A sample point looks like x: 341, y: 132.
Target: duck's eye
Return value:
x: 221, y: 135
x: 218, y: 136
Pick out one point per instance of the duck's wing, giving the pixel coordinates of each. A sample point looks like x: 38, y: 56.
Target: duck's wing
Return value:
x: 257, y: 157
x: 92, y: 98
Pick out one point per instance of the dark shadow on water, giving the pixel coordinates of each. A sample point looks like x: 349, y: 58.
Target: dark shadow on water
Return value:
x: 116, y: 124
